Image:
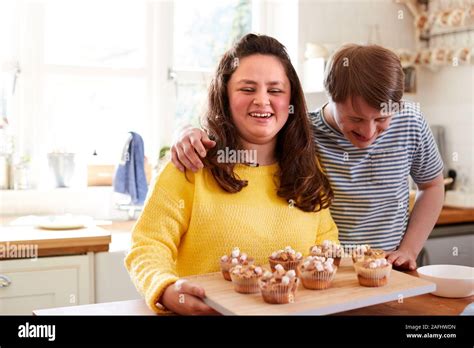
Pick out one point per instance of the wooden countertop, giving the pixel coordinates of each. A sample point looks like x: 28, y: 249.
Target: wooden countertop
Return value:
x: 455, y: 216
x: 51, y: 243
x: 117, y: 235
x: 419, y: 305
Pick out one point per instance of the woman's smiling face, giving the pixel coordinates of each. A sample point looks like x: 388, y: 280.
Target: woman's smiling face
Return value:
x: 259, y: 97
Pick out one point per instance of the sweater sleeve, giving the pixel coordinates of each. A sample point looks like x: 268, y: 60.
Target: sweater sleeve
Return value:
x: 156, y: 236
x: 327, y: 228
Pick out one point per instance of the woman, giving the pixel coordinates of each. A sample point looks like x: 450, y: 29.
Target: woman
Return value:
x: 257, y: 111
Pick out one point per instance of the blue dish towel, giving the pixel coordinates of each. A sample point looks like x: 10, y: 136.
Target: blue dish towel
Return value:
x: 130, y: 178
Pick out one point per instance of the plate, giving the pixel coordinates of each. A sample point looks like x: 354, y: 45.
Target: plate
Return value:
x: 63, y: 222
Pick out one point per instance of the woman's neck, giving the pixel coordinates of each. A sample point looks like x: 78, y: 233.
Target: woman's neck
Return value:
x: 264, y: 153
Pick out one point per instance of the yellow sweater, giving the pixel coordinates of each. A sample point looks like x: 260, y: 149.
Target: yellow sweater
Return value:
x: 186, y: 226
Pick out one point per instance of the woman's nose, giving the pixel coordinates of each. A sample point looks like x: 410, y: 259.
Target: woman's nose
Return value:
x: 261, y: 99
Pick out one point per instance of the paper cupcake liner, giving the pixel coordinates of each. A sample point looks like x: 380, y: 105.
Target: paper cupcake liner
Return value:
x: 315, y: 280
x: 226, y: 275
x: 287, y: 265
x: 226, y: 266
x: 245, y: 285
x: 374, y: 282
x: 372, y: 276
x: 280, y: 294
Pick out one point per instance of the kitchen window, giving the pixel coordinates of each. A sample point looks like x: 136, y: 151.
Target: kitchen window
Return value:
x: 93, y: 70
x: 203, y: 30
x: 94, y: 75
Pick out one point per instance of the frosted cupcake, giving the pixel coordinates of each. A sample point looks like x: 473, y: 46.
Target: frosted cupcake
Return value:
x: 375, y: 254
x: 328, y: 249
x: 317, y: 272
x: 362, y: 252
x: 245, y: 278
x: 280, y: 286
x: 373, y: 272
x: 359, y: 251
x: 234, y: 259
x: 288, y: 258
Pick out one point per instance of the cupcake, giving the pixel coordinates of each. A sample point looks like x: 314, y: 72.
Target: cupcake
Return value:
x: 317, y: 272
x: 245, y: 278
x: 375, y: 254
x: 328, y: 249
x: 373, y: 272
x: 280, y: 286
x: 366, y: 252
x: 359, y: 251
x: 288, y: 258
x: 234, y: 259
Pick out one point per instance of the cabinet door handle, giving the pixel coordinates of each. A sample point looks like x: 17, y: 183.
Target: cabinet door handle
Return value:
x: 4, y: 281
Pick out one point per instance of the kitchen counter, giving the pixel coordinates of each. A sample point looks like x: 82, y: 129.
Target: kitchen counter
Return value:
x: 116, y: 236
x: 455, y: 216
x: 419, y: 305
x: 109, y: 237
x: 14, y: 239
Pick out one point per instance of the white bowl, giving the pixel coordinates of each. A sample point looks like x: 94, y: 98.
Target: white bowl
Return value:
x: 451, y: 280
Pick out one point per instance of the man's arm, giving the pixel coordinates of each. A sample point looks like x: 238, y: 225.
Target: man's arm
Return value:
x: 185, y: 150
x: 423, y: 218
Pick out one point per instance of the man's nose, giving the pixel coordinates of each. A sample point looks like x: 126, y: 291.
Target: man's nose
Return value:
x: 368, y: 131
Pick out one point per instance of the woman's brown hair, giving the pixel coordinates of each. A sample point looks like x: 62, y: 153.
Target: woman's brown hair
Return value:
x: 371, y: 72
x: 300, y: 179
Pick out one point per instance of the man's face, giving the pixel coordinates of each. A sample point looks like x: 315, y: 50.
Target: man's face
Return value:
x: 360, y: 128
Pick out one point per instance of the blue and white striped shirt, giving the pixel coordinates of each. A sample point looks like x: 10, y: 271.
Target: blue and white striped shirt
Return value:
x: 371, y: 191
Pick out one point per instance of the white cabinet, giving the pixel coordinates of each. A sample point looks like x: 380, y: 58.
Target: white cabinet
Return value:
x: 46, y: 282
x: 449, y: 244
x: 112, y: 281
x: 455, y: 250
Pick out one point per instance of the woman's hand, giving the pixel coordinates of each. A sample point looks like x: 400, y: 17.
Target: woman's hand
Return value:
x: 186, y: 298
x: 191, y: 142
x: 402, y: 258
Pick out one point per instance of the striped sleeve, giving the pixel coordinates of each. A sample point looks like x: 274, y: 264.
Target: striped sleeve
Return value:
x: 427, y: 163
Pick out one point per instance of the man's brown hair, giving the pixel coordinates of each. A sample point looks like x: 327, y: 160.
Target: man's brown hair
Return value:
x: 371, y: 72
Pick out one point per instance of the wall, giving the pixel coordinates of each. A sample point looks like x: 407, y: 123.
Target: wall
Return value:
x: 334, y: 23
x: 446, y: 98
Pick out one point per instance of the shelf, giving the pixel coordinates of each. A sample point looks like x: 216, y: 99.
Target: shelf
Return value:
x: 446, y: 31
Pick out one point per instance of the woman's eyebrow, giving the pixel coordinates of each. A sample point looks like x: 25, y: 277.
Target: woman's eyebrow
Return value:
x: 274, y: 83
x: 247, y: 82
x: 251, y: 82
